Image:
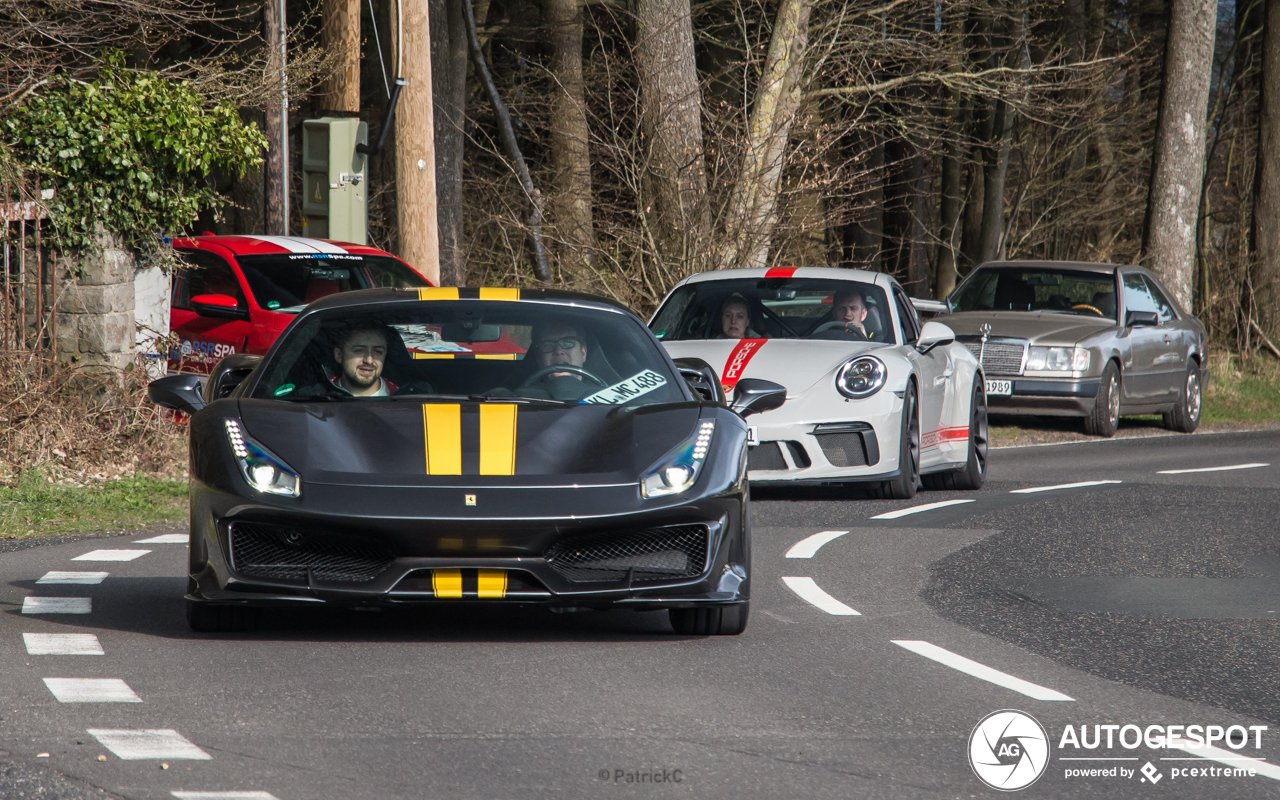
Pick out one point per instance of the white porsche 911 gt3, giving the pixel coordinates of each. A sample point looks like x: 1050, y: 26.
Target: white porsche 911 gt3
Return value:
x: 872, y: 395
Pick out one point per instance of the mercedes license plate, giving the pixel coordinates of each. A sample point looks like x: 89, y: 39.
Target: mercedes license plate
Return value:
x: 1000, y: 387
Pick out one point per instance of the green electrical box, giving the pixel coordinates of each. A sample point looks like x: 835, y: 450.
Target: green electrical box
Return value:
x: 334, y: 184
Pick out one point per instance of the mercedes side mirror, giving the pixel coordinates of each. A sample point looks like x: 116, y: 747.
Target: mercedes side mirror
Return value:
x: 222, y: 306
x: 754, y: 396
x: 932, y: 335
x: 1141, y: 319
x: 179, y: 392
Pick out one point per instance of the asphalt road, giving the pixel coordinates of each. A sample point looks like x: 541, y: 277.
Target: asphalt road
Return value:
x: 1148, y: 600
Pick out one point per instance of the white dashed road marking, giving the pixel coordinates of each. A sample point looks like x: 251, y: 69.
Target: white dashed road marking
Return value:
x: 902, y: 512
x: 980, y: 671
x: 811, y: 593
x: 1079, y: 485
x: 140, y: 745
x: 166, y: 538
x: 77, y: 578
x: 62, y: 644
x: 112, y: 555
x: 1210, y: 469
x: 1229, y: 758
x: 56, y: 605
x: 805, y: 548
x: 91, y: 690
x: 223, y: 795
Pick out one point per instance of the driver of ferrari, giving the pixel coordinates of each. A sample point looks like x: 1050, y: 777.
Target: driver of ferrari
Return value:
x: 560, y: 343
x: 361, y: 355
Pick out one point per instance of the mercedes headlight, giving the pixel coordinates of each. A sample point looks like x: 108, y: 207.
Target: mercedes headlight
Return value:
x: 861, y: 377
x: 1057, y: 359
x: 263, y: 471
x: 678, y: 470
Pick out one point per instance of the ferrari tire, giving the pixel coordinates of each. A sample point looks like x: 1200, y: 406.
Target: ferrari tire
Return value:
x: 1104, y: 420
x: 710, y: 620
x: 974, y: 472
x: 903, y: 487
x: 1185, y: 416
x: 206, y: 618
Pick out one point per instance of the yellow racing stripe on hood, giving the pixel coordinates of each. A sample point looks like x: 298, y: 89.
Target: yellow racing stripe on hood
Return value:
x: 442, y: 427
x: 438, y: 293
x: 494, y: 293
x: 447, y: 583
x: 492, y: 584
x: 498, y: 439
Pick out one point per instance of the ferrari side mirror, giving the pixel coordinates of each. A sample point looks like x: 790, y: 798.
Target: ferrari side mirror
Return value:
x: 754, y: 396
x: 934, y: 334
x: 179, y: 392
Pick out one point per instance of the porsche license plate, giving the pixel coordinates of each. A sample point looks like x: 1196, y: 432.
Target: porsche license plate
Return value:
x: 1000, y: 387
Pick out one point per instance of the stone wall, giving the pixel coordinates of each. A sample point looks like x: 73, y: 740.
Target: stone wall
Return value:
x: 96, y: 305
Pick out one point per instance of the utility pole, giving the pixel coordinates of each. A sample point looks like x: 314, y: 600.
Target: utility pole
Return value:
x: 415, y: 141
x: 341, y: 36
x: 275, y: 173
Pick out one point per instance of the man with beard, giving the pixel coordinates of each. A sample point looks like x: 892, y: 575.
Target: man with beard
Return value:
x: 361, y: 354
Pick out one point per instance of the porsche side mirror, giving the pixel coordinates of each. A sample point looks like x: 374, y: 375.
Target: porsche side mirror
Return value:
x: 179, y: 392
x: 754, y: 396
x: 1141, y: 319
x: 222, y: 306
x: 932, y: 335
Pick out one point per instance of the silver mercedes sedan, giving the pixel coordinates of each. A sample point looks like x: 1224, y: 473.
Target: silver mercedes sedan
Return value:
x: 1097, y: 341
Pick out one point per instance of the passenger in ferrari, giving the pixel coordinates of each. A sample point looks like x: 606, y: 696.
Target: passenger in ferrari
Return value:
x: 361, y: 354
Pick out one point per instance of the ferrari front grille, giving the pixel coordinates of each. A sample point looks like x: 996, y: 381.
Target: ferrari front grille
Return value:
x: 999, y: 357
x: 765, y: 455
x: 282, y: 553
x: 842, y: 449
x: 650, y: 555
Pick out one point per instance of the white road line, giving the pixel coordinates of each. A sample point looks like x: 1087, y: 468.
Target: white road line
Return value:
x: 223, y: 795
x: 902, y: 512
x: 167, y: 538
x: 56, y: 605
x: 77, y: 578
x: 810, y: 592
x: 805, y: 548
x: 91, y: 690
x: 139, y: 745
x: 1079, y: 485
x: 980, y: 671
x: 1228, y: 757
x: 62, y: 644
x: 112, y: 555
x: 1210, y: 469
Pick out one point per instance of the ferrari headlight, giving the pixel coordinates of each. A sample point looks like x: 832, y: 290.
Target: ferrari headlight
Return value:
x: 1057, y: 359
x: 678, y: 470
x: 263, y: 471
x: 861, y: 377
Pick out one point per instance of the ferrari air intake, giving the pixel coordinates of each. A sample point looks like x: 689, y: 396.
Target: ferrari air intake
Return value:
x: 655, y: 554
x: 277, y: 552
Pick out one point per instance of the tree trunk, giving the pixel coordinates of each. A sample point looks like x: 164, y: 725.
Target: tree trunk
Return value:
x: 340, y: 38
x: 1169, y: 239
x: 864, y: 237
x: 753, y: 205
x: 1266, y: 215
x: 415, y: 147
x: 904, y: 255
x: 570, y: 135
x: 952, y: 173
x: 994, y: 170
x: 273, y: 167
x: 671, y: 124
x: 449, y: 79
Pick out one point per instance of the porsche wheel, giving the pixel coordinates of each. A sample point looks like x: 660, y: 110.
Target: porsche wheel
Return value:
x: 710, y: 621
x: 974, y: 473
x: 903, y: 487
x: 1105, y: 417
x: 1185, y: 416
x: 205, y: 618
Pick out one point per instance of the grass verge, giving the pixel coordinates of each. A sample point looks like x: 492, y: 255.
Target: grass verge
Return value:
x: 37, y: 507
x: 1242, y: 390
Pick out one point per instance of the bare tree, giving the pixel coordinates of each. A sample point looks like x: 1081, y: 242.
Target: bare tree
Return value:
x: 570, y: 135
x: 1266, y: 217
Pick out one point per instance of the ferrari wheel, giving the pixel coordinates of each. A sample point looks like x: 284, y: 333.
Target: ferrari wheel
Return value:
x: 205, y: 618
x: 710, y: 621
x: 1104, y: 420
x: 903, y: 487
x: 1185, y: 416
x: 974, y: 472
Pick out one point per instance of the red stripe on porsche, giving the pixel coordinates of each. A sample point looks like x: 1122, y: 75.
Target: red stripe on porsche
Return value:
x: 736, y: 364
x: 934, y: 438
x: 780, y: 272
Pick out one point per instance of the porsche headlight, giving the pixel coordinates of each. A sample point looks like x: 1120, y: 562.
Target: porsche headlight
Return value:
x: 861, y: 377
x: 263, y: 471
x: 1057, y: 359
x: 678, y: 470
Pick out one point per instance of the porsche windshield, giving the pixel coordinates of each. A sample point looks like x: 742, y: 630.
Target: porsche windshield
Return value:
x: 1091, y: 294
x: 470, y: 350
x: 775, y: 308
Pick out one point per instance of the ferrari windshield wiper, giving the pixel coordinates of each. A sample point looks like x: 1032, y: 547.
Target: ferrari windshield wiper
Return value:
x: 501, y: 398
x: 310, y: 398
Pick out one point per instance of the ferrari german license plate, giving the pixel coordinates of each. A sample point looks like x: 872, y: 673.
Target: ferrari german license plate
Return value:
x: 999, y: 387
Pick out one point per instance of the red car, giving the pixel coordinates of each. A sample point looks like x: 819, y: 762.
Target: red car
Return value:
x: 240, y: 292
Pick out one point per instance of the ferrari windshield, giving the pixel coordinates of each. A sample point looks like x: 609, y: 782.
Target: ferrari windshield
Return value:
x: 473, y: 350
x: 289, y: 281
x: 1091, y: 294
x: 775, y: 308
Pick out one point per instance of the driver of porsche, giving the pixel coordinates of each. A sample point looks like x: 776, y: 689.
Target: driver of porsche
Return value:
x: 849, y: 308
